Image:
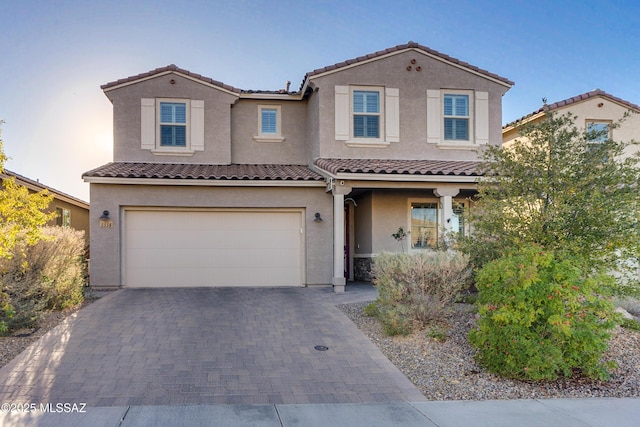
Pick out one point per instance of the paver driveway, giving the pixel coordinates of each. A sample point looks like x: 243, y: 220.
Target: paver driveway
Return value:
x: 206, y: 346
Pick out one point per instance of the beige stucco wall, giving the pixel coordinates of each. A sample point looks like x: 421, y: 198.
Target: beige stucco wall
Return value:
x: 381, y: 212
x: 106, y: 242
x: 244, y: 126
x: 391, y: 72
x: 127, y: 119
x: 589, y: 110
x: 79, y: 216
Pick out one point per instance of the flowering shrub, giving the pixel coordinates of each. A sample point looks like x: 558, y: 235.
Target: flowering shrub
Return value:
x: 414, y: 289
x: 540, y: 317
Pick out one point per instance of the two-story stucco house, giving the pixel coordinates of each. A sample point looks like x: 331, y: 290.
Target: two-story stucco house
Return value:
x: 596, y: 110
x: 216, y: 186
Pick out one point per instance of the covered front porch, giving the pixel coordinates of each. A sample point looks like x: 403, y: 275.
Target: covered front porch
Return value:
x: 374, y: 199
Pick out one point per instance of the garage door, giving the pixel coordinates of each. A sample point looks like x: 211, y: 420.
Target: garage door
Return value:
x: 173, y: 248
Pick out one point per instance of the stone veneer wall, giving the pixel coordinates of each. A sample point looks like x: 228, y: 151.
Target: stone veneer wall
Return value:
x: 363, y: 269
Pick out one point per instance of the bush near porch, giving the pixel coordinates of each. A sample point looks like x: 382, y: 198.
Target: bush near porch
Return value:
x: 48, y: 275
x: 416, y: 289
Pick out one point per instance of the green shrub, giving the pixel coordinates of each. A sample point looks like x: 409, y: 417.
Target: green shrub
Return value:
x: 46, y: 276
x: 631, y: 324
x: 541, y: 318
x: 371, y: 310
x: 414, y: 289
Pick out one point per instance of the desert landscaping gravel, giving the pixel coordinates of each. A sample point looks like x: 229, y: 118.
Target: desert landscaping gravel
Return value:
x: 446, y: 370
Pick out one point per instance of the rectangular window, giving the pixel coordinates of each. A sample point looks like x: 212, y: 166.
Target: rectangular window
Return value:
x: 366, y: 114
x: 598, y: 131
x: 269, y: 124
x: 173, y: 124
x: 424, y: 225
x: 456, y: 117
x: 64, y: 217
x: 269, y: 121
x: 457, y: 221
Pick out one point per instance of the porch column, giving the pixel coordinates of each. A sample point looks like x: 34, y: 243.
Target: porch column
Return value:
x: 339, y: 281
x: 446, y: 195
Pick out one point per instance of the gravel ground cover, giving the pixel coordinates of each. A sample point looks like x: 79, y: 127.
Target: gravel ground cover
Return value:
x: 446, y: 370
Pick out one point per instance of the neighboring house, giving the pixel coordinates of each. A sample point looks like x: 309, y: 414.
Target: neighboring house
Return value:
x: 596, y: 110
x: 72, y: 212
x: 216, y: 186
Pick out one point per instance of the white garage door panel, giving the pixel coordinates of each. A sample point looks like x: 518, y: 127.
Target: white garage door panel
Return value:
x: 213, y: 248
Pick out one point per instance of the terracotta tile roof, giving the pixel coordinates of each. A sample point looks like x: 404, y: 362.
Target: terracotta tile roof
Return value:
x: 399, y: 167
x: 174, y: 68
x: 573, y: 100
x: 204, y: 172
x: 409, y: 45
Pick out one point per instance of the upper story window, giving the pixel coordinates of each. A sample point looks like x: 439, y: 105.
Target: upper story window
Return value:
x: 456, y: 117
x: 64, y: 217
x: 269, y: 124
x: 366, y: 114
x: 598, y: 131
x: 173, y: 124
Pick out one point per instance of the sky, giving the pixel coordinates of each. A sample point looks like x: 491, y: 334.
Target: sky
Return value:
x: 55, y: 54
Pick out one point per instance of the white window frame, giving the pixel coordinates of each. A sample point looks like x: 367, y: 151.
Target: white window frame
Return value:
x: 270, y: 137
x: 469, y: 118
x: 167, y: 148
x: 478, y: 119
x: 379, y: 114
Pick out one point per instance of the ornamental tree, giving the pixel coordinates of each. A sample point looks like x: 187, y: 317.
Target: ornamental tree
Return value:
x: 21, y: 212
x: 553, y: 189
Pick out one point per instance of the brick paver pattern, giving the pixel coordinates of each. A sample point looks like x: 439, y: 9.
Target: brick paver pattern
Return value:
x: 207, y: 346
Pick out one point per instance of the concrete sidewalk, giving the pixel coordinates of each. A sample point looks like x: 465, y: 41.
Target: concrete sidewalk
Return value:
x: 602, y: 412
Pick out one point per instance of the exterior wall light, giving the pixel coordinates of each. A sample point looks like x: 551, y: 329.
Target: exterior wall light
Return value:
x: 105, y: 221
x: 318, y: 218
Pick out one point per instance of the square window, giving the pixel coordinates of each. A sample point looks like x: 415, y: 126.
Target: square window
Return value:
x: 424, y: 225
x: 456, y: 117
x: 173, y: 124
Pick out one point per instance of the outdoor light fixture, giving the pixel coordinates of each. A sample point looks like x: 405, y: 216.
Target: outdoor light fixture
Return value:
x: 105, y: 221
x: 318, y: 218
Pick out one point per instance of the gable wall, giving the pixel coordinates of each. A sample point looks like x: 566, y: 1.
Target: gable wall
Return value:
x: 391, y: 72
x: 589, y: 110
x: 127, y: 119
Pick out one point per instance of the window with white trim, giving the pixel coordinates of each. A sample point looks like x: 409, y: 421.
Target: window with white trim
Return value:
x: 269, y: 124
x: 366, y: 113
x: 456, y: 117
x: 173, y: 124
x: 367, y: 116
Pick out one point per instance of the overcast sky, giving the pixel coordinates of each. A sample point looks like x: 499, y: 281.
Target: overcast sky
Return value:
x: 56, y: 54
